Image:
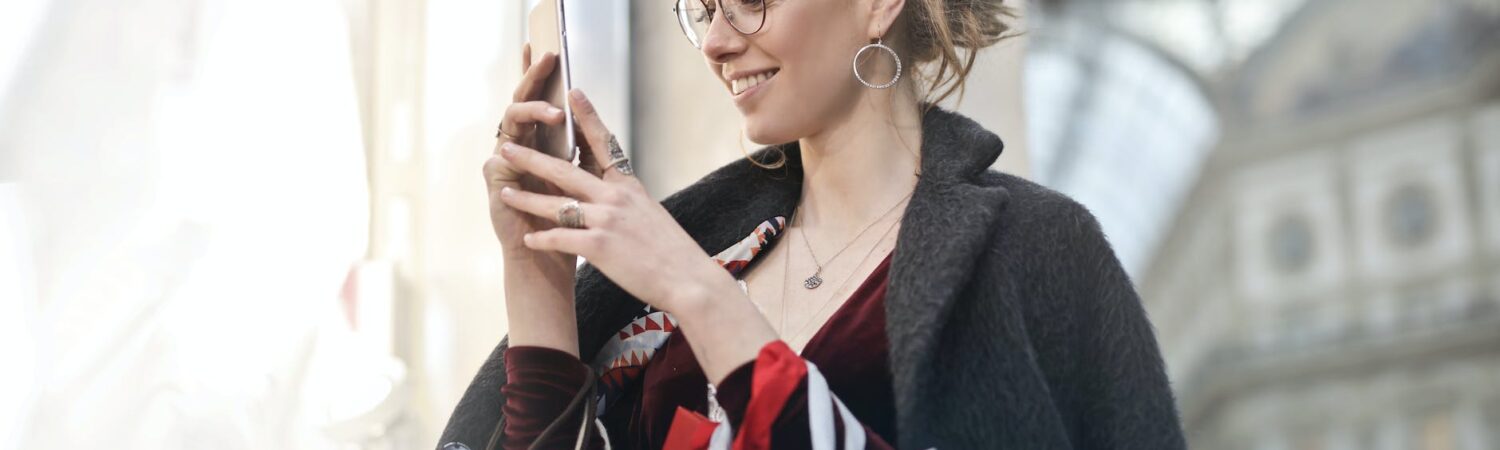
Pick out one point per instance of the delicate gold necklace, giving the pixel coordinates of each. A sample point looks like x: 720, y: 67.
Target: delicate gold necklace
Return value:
x: 816, y: 279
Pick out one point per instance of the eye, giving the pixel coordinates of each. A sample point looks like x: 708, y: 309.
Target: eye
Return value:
x: 705, y: 13
x: 697, y: 15
x: 748, y: 5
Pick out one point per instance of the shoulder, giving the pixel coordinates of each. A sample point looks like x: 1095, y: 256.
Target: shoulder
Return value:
x: 1062, y: 263
x: 1038, y: 211
x: 1044, y: 236
x: 720, y: 208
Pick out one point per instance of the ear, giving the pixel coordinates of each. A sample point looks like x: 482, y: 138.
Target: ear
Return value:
x: 883, y: 14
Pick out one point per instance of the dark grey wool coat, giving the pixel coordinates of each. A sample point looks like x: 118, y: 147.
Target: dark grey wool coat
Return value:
x: 1011, y: 322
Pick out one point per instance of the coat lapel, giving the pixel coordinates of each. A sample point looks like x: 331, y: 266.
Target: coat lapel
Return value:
x: 948, y: 225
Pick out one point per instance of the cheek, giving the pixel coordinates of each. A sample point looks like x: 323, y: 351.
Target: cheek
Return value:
x: 794, y: 117
x: 811, y: 89
x: 815, y: 85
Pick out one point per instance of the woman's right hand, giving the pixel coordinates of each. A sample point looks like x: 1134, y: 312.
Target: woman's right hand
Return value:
x: 538, y: 284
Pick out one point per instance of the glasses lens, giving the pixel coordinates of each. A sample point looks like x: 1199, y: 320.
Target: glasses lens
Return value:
x: 694, y: 19
x: 746, y: 16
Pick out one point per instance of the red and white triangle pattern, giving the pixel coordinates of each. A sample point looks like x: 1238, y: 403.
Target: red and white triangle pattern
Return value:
x: 737, y: 256
x: 622, y: 359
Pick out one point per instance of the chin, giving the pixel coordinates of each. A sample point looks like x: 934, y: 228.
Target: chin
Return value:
x: 763, y: 132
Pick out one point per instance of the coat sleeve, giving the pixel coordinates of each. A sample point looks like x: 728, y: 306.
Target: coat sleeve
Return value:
x: 1117, y: 390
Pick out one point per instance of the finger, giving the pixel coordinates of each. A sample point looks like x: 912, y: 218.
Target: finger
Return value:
x: 535, y: 78
x: 573, y: 241
x: 547, y: 206
x: 520, y: 117
x: 562, y: 173
x: 525, y: 57
x: 586, y: 160
x: 605, y: 147
x: 498, y: 173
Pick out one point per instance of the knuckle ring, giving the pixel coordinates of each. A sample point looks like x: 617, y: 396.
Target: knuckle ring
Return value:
x: 617, y: 158
x: 622, y: 165
x: 570, y: 215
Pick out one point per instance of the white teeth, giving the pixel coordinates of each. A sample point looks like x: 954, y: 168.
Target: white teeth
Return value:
x: 740, y: 85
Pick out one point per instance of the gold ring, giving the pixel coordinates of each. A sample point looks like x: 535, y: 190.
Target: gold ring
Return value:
x: 500, y: 133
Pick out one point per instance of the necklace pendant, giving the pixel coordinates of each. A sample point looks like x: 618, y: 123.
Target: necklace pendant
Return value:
x: 813, y: 282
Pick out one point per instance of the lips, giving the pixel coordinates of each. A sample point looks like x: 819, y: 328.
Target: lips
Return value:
x: 743, y: 83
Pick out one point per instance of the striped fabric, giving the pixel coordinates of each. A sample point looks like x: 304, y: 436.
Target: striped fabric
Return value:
x: 778, y: 371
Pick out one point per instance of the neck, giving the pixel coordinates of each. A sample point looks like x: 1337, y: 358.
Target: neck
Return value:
x: 863, y: 163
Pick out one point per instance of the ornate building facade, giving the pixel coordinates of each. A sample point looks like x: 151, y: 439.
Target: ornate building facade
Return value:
x: 1332, y: 278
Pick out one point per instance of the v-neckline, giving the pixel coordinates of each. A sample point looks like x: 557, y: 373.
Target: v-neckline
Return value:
x: 879, y: 275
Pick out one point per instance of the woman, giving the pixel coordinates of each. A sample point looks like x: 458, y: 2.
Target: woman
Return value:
x: 921, y: 301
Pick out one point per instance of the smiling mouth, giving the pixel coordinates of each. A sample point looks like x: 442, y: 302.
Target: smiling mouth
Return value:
x: 738, y: 86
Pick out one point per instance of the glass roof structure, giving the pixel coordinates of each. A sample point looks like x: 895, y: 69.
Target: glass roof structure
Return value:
x: 1119, y: 103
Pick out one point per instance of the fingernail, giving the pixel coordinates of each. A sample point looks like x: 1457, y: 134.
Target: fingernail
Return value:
x: 507, y: 191
x: 577, y: 94
x: 554, y: 111
x: 508, y: 149
x: 526, y: 238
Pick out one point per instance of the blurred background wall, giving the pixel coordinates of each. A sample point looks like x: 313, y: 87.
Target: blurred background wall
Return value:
x: 235, y: 224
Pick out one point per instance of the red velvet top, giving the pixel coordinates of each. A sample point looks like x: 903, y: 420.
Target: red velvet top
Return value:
x: 849, y: 350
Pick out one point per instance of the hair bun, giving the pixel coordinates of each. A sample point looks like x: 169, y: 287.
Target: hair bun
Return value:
x: 948, y: 33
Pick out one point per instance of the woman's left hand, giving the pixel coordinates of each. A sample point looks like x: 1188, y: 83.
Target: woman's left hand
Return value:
x: 626, y: 234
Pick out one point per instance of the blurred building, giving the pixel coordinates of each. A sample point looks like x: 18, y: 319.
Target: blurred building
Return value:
x: 1326, y: 274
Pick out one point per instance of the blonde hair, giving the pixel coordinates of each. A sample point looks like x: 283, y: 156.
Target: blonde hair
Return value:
x: 942, y: 39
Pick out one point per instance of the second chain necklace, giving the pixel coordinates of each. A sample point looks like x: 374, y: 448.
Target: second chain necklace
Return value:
x: 812, y: 282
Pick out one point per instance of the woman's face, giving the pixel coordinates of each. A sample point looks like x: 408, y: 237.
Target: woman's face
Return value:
x: 792, y: 78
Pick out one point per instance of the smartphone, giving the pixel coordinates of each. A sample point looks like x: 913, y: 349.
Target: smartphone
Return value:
x: 547, y: 30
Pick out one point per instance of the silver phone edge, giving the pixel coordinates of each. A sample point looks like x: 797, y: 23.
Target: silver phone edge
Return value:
x: 567, y: 80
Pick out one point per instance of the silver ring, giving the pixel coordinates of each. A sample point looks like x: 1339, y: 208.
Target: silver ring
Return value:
x: 570, y: 215
x: 622, y: 165
x: 617, y: 157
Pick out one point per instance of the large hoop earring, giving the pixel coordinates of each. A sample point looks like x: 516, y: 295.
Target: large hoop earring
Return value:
x: 879, y: 43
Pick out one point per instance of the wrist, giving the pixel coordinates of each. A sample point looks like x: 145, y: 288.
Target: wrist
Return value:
x: 517, y: 256
x: 724, y: 326
x: 539, y: 305
x: 554, y: 328
x: 712, y: 293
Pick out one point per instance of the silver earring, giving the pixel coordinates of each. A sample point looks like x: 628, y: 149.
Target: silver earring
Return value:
x: 880, y: 44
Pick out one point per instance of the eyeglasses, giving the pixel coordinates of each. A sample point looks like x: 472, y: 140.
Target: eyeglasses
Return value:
x: 695, y: 16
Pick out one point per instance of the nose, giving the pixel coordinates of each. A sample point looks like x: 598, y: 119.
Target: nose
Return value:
x: 722, y: 42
